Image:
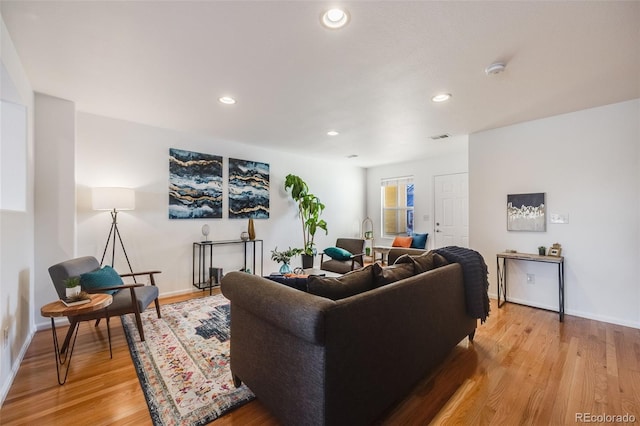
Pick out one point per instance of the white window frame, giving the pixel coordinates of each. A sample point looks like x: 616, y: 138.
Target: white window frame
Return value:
x: 396, y: 181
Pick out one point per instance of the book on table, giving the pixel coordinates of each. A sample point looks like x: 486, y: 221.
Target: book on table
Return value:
x: 74, y: 301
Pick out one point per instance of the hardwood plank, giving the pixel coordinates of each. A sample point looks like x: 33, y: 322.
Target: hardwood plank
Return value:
x: 524, y: 367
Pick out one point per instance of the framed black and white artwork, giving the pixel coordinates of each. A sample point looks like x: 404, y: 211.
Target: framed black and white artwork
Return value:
x: 526, y: 212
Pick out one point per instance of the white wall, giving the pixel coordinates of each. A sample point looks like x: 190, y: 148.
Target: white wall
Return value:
x: 16, y: 231
x: 588, y: 165
x: 454, y: 160
x: 112, y: 152
x: 55, y: 198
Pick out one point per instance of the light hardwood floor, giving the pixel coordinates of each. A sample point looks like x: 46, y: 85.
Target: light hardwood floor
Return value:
x: 524, y: 367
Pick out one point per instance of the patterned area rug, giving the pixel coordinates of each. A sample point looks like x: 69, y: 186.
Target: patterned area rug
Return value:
x: 183, y: 364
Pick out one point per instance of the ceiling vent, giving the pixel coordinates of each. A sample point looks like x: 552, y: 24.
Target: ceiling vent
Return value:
x: 442, y: 136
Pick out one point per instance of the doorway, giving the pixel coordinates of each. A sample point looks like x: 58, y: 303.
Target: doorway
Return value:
x: 451, y: 205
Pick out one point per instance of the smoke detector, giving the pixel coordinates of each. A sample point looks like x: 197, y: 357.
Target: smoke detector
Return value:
x: 495, y: 68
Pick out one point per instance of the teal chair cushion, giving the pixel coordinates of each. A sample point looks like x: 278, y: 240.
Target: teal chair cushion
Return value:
x: 337, y: 253
x: 105, y: 277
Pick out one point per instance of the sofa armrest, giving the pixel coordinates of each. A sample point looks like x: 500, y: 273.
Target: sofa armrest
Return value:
x: 296, y: 312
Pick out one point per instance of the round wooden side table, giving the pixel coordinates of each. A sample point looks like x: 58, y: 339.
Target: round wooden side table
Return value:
x: 58, y: 309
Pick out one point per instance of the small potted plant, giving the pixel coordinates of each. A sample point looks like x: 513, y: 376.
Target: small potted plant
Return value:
x: 284, y: 257
x: 72, y: 287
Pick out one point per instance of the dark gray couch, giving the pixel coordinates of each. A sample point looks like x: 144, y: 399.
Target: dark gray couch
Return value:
x: 316, y: 361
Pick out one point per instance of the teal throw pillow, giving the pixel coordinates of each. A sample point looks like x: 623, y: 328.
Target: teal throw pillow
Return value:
x: 337, y: 253
x: 105, y: 277
x: 419, y: 241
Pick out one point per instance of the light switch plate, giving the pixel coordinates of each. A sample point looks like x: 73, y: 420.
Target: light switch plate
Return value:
x: 559, y: 218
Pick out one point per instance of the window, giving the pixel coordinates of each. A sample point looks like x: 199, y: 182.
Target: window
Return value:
x: 397, y: 206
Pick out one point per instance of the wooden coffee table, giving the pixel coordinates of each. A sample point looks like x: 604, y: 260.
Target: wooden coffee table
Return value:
x: 58, y: 309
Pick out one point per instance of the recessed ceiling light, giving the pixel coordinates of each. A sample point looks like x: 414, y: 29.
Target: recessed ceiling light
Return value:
x: 441, y: 97
x: 332, y: 133
x: 228, y: 100
x: 335, y: 18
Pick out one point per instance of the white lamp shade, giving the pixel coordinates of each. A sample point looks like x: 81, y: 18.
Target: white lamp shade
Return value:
x: 113, y: 198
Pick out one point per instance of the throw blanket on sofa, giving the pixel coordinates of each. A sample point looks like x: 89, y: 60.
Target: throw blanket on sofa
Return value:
x: 476, y: 282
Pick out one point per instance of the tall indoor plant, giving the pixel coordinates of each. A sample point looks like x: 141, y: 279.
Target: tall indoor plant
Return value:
x: 309, y: 208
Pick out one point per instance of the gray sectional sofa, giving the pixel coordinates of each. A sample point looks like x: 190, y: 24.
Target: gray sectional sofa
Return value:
x: 316, y: 361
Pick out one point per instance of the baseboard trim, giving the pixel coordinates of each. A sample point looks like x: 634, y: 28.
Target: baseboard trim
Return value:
x: 576, y: 313
x: 15, y: 367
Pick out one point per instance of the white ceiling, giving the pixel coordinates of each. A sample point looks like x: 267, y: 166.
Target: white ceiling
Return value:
x: 165, y: 63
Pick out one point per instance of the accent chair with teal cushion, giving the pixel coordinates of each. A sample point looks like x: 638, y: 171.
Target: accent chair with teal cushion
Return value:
x: 127, y: 298
x: 419, y: 241
x: 342, y: 263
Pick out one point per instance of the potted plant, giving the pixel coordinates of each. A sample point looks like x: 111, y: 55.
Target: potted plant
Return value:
x: 284, y: 257
x: 309, y: 208
x: 72, y: 287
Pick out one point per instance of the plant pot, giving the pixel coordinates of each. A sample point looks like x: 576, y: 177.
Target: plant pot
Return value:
x: 307, y: 261
x: 542, y: 251
x: 72, y: 291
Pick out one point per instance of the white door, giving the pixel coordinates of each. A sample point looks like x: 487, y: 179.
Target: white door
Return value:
x: 451, y: 214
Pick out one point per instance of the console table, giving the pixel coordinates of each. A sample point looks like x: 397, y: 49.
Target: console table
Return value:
x: 502, y: 274
x: 203, y: 260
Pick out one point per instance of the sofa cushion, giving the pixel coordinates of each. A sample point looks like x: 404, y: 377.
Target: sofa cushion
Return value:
x: 419, y: 241
x: 383, y: 275
x: 402, y: 242
x: 105, y: 277
x: 424, y: 262
x: 349, y: 284
x: 337, y: 253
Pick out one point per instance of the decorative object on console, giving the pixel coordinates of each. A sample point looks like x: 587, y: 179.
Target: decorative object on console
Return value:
x: 195, y: 185
x: 555, y: 250
x: 205, y: 233
x: 248, y: 189
x: 284, y: 257
x: 114, y: 199
x: 251, y: 230
x: 244, y: 236
x: 542, y: 250
x: 526, y: 212
x: 309, y: 208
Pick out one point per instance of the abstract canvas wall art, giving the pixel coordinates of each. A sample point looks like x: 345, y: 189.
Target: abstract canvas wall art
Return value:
x: 195, y: 185
x: 248, y: 189
x: 526, y: 212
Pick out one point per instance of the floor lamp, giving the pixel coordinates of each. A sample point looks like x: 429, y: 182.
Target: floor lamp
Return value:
x: 114, y: 199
